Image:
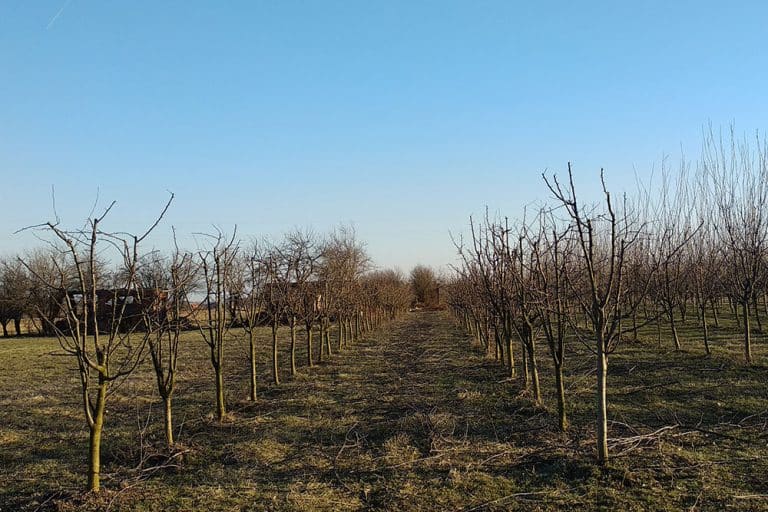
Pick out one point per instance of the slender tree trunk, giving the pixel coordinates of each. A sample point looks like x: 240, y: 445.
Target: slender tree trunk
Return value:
x: 310, y: 362
x: 94, y: 448
x: 705, y: 327
x: 560, y: 385
x: 275, y: 368
x: 357, y: 326
x: 526, y: 366
x: 658, y: 330
x: 253, y: 372
x: 328, y: 337
x: 675, y: 337
x: 532, y: 363
x: 168, y: 420
x: 747, y: 334
x: 757, y: 314
x: 714, y: 313
x: 497, y: 344
x: 322, y: 341
x: 221, y: 408
x: 293, y: 345
x: 634, y: 325
x: 508, y: 341
x: 534, y: 370
x: 602, y: 400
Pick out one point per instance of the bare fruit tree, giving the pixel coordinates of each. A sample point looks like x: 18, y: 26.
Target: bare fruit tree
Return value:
x: 603, y: 237
x: 250, y: 296
x: 277, y: 276
x: 738, y: 176
x: 14, y: 293
x: 217, y: 266
x: 301, y: 255
x: 165, y: 288
x: 550, y: 258
x: 98, y: 313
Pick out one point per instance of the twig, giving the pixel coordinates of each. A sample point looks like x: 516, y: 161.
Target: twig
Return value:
x: 644, y: 388
x: 508, y: 496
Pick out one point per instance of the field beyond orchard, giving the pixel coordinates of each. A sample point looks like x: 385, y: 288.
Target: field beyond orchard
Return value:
x: 411, y: 417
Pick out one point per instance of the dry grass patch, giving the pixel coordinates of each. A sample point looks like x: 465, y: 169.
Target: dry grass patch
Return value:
x: 320, y: 497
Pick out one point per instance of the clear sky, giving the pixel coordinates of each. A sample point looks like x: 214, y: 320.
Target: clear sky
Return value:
x: 402, y: 117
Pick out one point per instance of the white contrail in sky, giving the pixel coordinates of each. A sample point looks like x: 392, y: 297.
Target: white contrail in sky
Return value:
x: 53, y: 20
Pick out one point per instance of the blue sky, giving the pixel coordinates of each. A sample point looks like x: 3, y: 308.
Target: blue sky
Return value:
x: 402, y: 117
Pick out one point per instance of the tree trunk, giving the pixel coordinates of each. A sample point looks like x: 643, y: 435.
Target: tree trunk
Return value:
x: 322, y: 341
x: 675, y: 337
x: 757, y: 314
x: 510, y: 353
x: 253, y: 372
x: 94, y: 448
x: 275, y: 366
x: 328, y: 337
x: 221, y: 408
x: 310, y: 362
x: 168, y: 421
x: 560, y: 385
x: 497, y: 344
x: 293, y: 345
x: 747, y: 334
x: 658, y: 330
x: 602, y: 401
x: 705, y: 327
x: 714, y: 314
x: 534, y: 370
x: 634, y: 325
x: 526, y: 367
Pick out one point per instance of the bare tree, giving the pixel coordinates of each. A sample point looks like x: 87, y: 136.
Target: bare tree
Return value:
x: 603, y: 238
x: 277, y: 271
x: 738, y: 175
x: 250, y: 294
x: 550, y: 258
x: 301, y: 255
x: 14, y: 293
x: 165, y: 288
x: 343, y: 262
x: 487, y: 267
x: 97, y: 326
x: 44, y: 269
x: 217, y: 269
x: 672, y: 217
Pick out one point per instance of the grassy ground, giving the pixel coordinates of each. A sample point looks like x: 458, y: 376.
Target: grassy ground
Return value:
x: 411, y: 418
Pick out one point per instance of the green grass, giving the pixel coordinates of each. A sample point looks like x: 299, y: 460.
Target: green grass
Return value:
x: 410, y: 418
